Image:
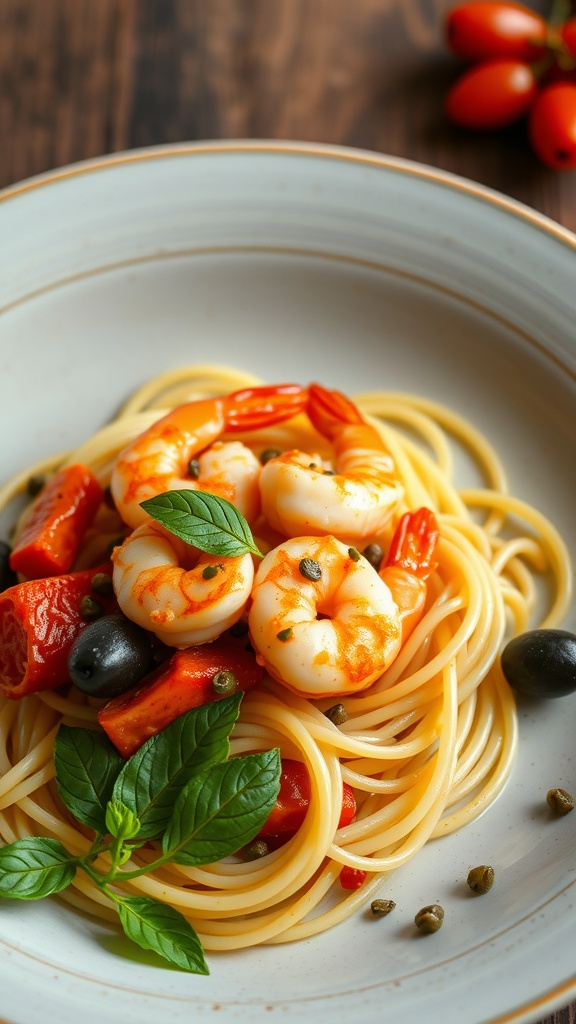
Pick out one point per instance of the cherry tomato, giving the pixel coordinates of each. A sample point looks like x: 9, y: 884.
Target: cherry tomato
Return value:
x: 485, y: 30
x: 293, y: 801
x: 352, y: 878
x: 491, y: 95
x: 552, y: 126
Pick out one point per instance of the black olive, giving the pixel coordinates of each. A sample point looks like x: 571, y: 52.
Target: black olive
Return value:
x: 110, y: 656
x: 541, y: 663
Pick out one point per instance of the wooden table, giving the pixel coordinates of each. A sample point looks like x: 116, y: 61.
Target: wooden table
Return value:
x: 81, y: 78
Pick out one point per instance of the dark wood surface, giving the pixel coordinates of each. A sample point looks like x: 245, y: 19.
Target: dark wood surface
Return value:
x: 81, y: 78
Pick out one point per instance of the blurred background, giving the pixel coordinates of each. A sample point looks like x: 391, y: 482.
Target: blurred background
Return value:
x: 81, y: 78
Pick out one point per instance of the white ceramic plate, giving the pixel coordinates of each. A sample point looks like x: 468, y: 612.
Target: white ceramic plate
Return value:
x: 305, y: 262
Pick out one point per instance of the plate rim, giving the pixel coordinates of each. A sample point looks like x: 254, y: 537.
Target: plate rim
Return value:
x: 350, y: 154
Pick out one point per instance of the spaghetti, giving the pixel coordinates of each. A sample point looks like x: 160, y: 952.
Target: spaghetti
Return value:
x: 426, y: 748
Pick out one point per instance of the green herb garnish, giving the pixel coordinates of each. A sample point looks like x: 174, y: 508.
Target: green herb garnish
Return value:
x: 204, y: 520
x: 180, y: 790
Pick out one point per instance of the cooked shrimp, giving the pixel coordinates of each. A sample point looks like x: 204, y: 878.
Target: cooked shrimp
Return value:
x: 301, y: 495
x: 182, y: 595
x: 322, y: 620
x: 179, y: 451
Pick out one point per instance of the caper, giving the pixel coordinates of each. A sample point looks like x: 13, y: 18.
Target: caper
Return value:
x: 380, y: 908
x: 102, y: 584
x: 90, y: 608
x: 560, y: 801
x: 269, y: 453
x: 254, y: 850
x: 354, y: 554
x: 373, y: 553
x: 210, y: 571
x: 310, y: 569
x: 194, y: 469
x: 225, y: 682
x: 284, y: 634
x: 481, y: 879
x: 429, y: 919
x: 337, y: 714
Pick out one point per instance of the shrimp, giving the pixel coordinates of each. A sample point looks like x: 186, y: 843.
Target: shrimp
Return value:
x: 182, y: 595
x: 184, y: 449
x: 302, y: 496
x: 324, y: 622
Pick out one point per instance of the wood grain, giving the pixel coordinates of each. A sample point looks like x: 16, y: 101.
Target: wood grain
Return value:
x: 81, y: 78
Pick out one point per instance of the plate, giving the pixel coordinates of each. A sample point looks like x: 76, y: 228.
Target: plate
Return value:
x: 302, y: 262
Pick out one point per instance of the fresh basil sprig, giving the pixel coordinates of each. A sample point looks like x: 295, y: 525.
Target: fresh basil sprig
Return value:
x: 204, y: 520
x: 180, y: 788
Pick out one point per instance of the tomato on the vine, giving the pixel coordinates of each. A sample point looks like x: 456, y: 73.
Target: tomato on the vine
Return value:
x: 552, y: 126
x: 486, y: 29
x: 492, y: 95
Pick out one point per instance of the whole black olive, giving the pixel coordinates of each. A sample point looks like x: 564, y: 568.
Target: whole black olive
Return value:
x: 541, y: 663
x: 110, y: 656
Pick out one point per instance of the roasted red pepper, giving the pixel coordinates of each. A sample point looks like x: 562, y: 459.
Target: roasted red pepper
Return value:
x: 54, y: 529
x: 39, y: 622
x: 293, y: 801
x: 184, y: 682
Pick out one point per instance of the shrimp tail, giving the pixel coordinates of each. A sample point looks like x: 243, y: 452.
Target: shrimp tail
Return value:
x: 251, y: 408
x: 330, y: 410
x: 413, y: 546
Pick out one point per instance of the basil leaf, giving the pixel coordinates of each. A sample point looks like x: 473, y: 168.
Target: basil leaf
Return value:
x: 121, y: 822
x: 87, y: 765
x: 35, y: 867
x: 223, y: 809
x: 204, y: 520
x: 153, y: 777
x: 157, y: 926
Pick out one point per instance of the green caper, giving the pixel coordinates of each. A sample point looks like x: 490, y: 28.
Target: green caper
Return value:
x: 354, y: 554
x: 225, y: 682
x: 373, y: 553
x: 337, y: 714
x: 310, y: 569
x: 90, y: 608
x: 560, y: 801
x: 102, y: 584
x: 284, y: 634
x: 254, y: 850
x: 380, y: 908
x: 194, y: 469
x: 481, y: 879
x: 210, y: 571
x: 269, y: 453
x: 429, y: 919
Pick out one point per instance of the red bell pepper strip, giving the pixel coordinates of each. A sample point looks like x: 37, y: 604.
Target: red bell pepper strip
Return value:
x: 293, y: 801
x: 183, y: 682
x: 53, y: 531
x: 39, y: 622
